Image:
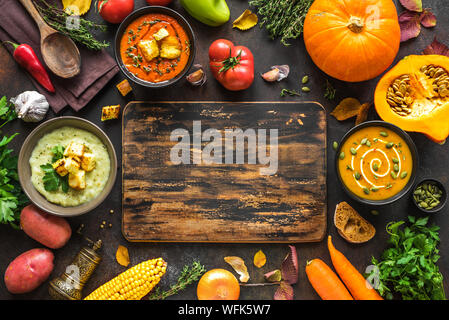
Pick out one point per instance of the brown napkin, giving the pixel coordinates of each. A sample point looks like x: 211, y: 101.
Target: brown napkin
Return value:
x: 97, y: 68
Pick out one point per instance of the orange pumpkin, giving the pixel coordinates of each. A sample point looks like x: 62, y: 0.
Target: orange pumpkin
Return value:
x: 414, y: 95
x: 352, y: 40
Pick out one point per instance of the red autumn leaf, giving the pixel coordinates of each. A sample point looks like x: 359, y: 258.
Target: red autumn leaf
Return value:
x: 437, y: 47
x: 410, y: 25
x: 284, y: 292
x: 428, y: 19
x: 412, y: 5
x: 289, y: 267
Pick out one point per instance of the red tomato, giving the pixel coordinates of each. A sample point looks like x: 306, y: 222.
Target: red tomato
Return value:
x: 232, y: 66
x: 159, y: 2
x: 115, y: 11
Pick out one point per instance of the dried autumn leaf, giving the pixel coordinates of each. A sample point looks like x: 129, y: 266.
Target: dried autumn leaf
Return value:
x: 437, y: 47
x: 412, y: 5
x: 260, y: 259
x: 239, y: 266
x: 246, y: 21
x: 122, y: 256
x: 346, y: 109
x: 363, y: 113
x: 410, y: 24
x: 289, y: 267
x: 284, y: 292
x: 76, y: 7
x: 428, y: 19
x: 273, y: 276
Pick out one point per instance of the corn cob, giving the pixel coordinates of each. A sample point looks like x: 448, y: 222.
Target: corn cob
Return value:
x: 133, y: 284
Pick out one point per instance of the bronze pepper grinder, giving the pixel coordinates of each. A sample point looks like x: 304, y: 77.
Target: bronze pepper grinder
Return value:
x: 70, y: 284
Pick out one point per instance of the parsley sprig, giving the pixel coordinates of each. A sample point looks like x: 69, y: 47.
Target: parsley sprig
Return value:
x: 408, y: 268
x: 52, y: 180
x: 12, y: 198
x: 7, y: 111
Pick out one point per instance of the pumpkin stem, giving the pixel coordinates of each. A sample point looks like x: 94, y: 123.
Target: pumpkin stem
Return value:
x: 355, y: 25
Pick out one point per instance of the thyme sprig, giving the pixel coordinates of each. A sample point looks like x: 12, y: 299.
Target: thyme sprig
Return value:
x: 282, y: 18
x: 189, y: 274
x: 57, y: 18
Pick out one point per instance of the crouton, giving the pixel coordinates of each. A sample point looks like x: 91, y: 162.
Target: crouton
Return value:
x: 170, y: 48
x: 110, y: 112
x: 77, y: 180
x: 75, y: 149
x: 88, y: 162
x: 124, y: 87
x: 72, y: 164
x: 161, y: 34
x: 149, y: 49
x: 59, y: 167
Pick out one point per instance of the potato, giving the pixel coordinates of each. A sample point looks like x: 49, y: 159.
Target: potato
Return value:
x: 29, y: 270
x: 49, y: 230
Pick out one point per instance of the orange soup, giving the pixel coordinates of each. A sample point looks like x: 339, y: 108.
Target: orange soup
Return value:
x: 375, y: 163
x: 155, y: 48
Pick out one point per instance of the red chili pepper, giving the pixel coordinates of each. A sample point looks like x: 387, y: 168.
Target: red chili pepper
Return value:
x: 27, y: 58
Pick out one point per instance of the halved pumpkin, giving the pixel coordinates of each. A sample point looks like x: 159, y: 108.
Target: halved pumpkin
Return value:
x: 414, y: 95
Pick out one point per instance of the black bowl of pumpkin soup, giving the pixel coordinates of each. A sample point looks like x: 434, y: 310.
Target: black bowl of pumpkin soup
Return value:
x: 376, y: 163
x: 154, y: 46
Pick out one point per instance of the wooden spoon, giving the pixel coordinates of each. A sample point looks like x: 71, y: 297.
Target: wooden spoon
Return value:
x: 59, y: 51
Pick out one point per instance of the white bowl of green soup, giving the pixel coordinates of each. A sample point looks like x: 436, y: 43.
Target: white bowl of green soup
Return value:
x: 67, y: 166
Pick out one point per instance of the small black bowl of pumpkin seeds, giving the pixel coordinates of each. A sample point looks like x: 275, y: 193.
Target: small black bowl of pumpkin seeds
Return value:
x: 429, y: 196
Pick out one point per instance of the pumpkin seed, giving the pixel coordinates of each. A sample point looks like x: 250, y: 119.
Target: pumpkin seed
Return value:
x: 342, y: 155
x: 305, y: 89
x: 305, y: 79
x: 335, y: 145
x: 357, y: 176
x: 389, y: 145
x: 383, y: 134
x: 404, y: 174
x: 374, y: 189
x: 375, y: 166
x: 393, y: 175
x: 427, y: 196
x: 396, y: 168
x: 353, y: 151
x: 368, y: 143
x: 364, y: 140
x: 366, y: 190
x: 395, y: 160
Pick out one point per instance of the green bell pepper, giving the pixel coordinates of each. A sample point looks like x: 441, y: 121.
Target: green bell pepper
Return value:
x: 211, y: 12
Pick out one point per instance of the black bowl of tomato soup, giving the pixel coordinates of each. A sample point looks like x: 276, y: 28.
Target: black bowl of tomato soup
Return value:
x: 155, y: 46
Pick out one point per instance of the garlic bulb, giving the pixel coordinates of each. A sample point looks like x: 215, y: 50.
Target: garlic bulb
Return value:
x: 30, y: 106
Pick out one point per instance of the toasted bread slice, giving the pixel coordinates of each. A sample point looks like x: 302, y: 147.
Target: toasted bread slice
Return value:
x: 351, y: 226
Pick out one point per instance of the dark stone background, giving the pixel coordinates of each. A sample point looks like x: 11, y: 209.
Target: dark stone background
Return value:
x: 434, y: 162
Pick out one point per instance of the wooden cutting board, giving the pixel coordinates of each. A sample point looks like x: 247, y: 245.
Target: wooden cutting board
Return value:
x: 171, y: 192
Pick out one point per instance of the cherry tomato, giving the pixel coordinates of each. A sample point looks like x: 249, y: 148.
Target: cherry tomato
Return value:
x: 159, y: 2
x: 115, y: 11
x: 232, y: 66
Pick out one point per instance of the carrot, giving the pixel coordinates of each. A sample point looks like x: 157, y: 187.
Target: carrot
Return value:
x: 354, y: 280
x: 325, y: 282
